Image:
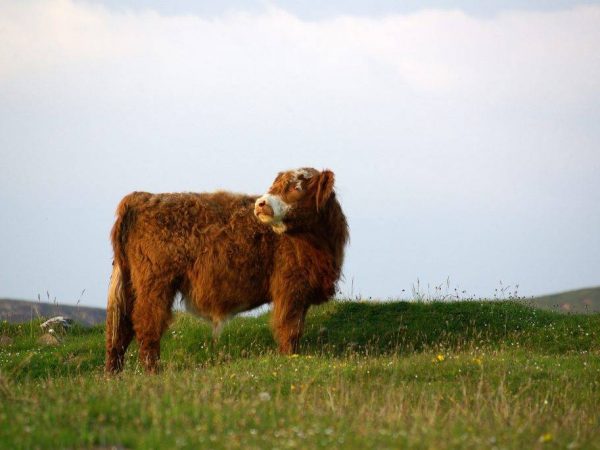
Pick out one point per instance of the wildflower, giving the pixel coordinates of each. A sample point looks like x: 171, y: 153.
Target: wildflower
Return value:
x: 546, y: 437
x: 477, y: 361
x: 440, y: 357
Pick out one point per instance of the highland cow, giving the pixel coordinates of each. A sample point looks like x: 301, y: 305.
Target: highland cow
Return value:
x: 225, y: 253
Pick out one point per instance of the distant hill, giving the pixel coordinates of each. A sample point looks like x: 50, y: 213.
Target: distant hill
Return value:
x: 17, y: 311
x: 579, y: 301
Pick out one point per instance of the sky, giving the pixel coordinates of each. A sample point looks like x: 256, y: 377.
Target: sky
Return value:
x: 465, y: 136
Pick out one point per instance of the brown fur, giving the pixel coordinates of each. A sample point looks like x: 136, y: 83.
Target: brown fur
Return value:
x: 212, y: 249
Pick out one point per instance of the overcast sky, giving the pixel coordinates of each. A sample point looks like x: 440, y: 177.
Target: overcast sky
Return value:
x: 465, y: 136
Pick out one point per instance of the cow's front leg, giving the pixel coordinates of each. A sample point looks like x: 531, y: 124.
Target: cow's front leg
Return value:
x: 288, y: 324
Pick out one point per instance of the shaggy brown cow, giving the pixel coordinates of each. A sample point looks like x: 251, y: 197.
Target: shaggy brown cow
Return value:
x: 225, y: 253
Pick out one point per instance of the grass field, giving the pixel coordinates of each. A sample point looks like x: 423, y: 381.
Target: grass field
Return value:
x: 369, y: 375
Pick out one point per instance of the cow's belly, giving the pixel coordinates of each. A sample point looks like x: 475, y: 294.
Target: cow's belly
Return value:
x: 215, y: 297
x: 229, y: 275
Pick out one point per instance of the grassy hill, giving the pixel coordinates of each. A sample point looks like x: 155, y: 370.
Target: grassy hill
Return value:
x: 369, y: 375
x: 19, y: 311
x: 579, y: 301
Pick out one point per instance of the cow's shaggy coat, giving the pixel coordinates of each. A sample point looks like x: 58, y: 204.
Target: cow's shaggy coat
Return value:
x: 225, y: 253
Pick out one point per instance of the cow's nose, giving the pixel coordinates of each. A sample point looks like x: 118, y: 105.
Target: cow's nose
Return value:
x: 261, y: 204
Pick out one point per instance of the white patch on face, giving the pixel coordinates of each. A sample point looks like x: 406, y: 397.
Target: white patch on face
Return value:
x: 278, y: 206
x: 302, y: 172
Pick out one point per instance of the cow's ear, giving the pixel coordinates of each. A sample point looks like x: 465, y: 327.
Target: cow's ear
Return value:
x: 324, y: 188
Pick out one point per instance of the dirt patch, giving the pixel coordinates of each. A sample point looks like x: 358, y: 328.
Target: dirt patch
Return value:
x: 48, y: 339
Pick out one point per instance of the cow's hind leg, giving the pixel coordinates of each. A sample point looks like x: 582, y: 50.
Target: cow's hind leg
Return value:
x: 116, y: 344
x: 151, y: 317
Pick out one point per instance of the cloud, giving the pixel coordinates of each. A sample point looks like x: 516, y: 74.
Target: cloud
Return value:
x: 519, y: 53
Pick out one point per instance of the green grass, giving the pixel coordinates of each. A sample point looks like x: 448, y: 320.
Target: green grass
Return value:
x: 369, y: 375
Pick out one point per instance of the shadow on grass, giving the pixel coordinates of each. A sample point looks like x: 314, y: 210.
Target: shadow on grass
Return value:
x: 406, y: 327
x: 382, y: 328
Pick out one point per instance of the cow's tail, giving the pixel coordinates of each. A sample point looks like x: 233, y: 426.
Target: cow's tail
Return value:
x: 120, y: 231
x: 119, y: 327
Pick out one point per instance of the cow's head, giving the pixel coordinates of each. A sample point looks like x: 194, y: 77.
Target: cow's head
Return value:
x: 295, y: 198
